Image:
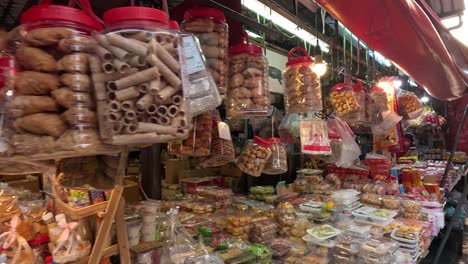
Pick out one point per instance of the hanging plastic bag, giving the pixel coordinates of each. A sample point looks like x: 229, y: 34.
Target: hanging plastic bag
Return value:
x: 314, y: 136
x: 288, y: 130
x: 278, y: 161
x: 344, y: 99
x: 357, y: 116
x: 222, y: 148
x: 350, y: 150
x: 390, y: 120
x: 409, y: 105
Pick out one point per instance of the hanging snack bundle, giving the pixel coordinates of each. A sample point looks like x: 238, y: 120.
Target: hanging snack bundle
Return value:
x: 314, y: 136
x: 198, y: 142
x: 358, y: 115
x: 278, y: 161
x: 254, y: 156
x: 248, y: 81
x: 302, y: 85
x: 378, y: 102
x: 51, y: 112
x: 222, y: 148
x: 137, y: 78
x: 409, y: 105
x: 344, y: 99
x: 209, y: 25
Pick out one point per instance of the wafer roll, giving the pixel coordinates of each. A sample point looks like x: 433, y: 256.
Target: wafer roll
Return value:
x: 145, y: 101
x: 136, y: 78
x: 127, y: 44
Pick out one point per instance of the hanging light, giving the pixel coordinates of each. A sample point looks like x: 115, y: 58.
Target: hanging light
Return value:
x: 319, y: 67
x: 425, y: 99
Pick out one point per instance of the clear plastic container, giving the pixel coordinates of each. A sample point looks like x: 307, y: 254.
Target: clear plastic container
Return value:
x: 199, y: 140
x: 209, y: 25
x: 344, y: 99
x: 134, y: 225
x: 254, y: 156
x: 357, y: 116
x: 139, y: 92
x: 302, y: 85
x: 222, y: 149
x: 50, y: 113
x: 278, y: 161
x: 248, y: 81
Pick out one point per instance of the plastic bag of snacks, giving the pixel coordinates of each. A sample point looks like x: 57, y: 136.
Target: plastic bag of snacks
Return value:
x: 222, y: 148
x: 378, y: 103
x: 302, y: 85
x: 69, y: 246
x: 278, y: 161
x: 248, y: 81
x: 344, y: 99
x: 51, y: 112
x: 14, y: 246
x: 139, y: 92
x: 350, y: 150
x: 199, y: 140
x: 254, y: 156
x: 409, y: 105
x: 358, y: 115
x: 288, y: 130
x: 209, y: 25
x: 389, y: 120
x: 314, y: 136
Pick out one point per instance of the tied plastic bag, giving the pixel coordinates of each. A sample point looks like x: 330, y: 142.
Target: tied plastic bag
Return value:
x: 350, y: 150
x: 314, y: 136
x: 390, y: 120
x: 409, y: 105
x: 288, y: 130
x: 14, y: 246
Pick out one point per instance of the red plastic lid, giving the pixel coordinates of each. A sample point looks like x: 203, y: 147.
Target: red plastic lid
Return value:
x: 262, y: 142
x: 48, y: 260
x: 215, y: 120
x: 57, y: 12
x: 174, y: 25
x: 202, y: 11
x: 273, y: 140
x: 246, y: 47
x: 298, y: 60
x: 119, y: 14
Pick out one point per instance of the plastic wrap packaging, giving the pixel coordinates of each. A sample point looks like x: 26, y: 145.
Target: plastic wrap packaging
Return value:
x: 8, y: 200
x: 409, y: 105
x: 15, y: 247
x: 288, y: 130
x: 389, y: 120
x: 278, y: 161
x: 209, y: 25
x: 51, y: 112
x: 302, y: 85
x: 222, y: 148
x: 199, y: 140
x: 254, y: 156
x: 378, y: 103
x: 344, y: 99
x: 350, y: 150
x: 314, y: 136
x: 137, y: 77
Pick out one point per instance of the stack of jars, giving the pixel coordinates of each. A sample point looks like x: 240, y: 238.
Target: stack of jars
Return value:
x: 149, y: 228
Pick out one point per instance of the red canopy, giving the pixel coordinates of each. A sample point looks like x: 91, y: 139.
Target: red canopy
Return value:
x: 412, y: 37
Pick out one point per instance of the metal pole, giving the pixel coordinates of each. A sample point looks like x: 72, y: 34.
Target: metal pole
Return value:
x: 454, y: 147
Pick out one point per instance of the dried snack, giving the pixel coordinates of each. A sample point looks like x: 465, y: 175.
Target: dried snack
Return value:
x: 222, y: 148
x: 344, y: 99
x: 278, y: 162
x: 35, y: 83
x: 409, y: 106
x: 391, y: 202
x: 198, y: 142
x: 253, y: 158
x: 411, y: 206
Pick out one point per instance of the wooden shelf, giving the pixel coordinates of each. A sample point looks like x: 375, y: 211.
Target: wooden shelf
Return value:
x: 78, y: 213
x: 146, y: 246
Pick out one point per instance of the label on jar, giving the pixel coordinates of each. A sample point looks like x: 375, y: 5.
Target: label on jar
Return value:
x: 193, y: 60
x: 224, y: 132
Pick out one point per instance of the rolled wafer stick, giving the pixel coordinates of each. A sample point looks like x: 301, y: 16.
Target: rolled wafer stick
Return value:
x: 102, y: 40
x: 168, y: 75
x: 104, y: 77
x: 119, y: 53
x: 141, y: 118
x: 141, y: 36
x: 164, y: 56
x: 136, y: 78
x: 94, y: 64
x: 154, y: 120
x: 151, y: 109
x: 165, y: 93
x: 177, y: 99
x: 162, y: 110
x: 130, y: 115
x: 145, y: 101
x: 137, y: 61
x: 143, y: 88
x: 128, y: 105
x: 114, y: 106
x: 160, y: 129
x: 127, y: 44
x: 164, y: 120
x: 124, y: 94
x: 105, y: 130
x: 121, y: 66
x: 116, y: 51
x: 117, y: 127
x: 108, y: 67
x: 154, y: 86
x: 103, y: 53
x: 115, y: 116
x: 140, y: 111
x: 100, y: 91
x: 179, y: 121
x: 142, y: 138
x: 130, y: 128
x: 172, y: 111
x: 171, y: 47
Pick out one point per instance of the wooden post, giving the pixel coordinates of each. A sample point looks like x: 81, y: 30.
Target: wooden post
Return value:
x: 151, y: 171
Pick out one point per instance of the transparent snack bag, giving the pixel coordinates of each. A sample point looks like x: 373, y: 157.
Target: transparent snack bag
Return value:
x: 254, y: 156
x: 314, y: 136
x: 199, y: 140
x: 222, y: 148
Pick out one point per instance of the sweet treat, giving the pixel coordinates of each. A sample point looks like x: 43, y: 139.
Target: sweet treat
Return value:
x: 411, y: 206
x: 344, y: 99
x: 409, y: 106
x: 391, y: 202
x: 254, y: 156
x: 222, y: 149
x: 199, y: 140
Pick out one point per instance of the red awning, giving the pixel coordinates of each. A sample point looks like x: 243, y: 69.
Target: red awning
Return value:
x: 403, y: 32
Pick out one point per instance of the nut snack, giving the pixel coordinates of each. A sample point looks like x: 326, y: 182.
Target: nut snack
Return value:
x: 198, y: 142
x: 278, y: 161
x: 51, y: 113
x: 137, y: 78
x: 209, y: 25
x: 344, y: 99
x: 409, y: 106
x: 254, y: 156
x: 302, y: 85
x: 248, y: 81
x: 222, y: 148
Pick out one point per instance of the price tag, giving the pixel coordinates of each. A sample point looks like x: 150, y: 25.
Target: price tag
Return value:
x: 223, y: 130
x: 193, y: 61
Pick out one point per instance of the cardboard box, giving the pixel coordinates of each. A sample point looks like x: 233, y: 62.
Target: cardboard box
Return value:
x: 31, y: 183
x: 173, y: 167
x: 131, y: 192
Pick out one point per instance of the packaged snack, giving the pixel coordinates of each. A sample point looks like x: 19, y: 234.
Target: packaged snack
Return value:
x: 199, y: 138
x: 277, y: 163
x: 314, y: 136
x: 248, y: 81
x: 288, y: 130
x: 253, y: 158
x: 357, y: 116
x: 344, y: 99
x: 409, y: 106
x: 391, y: 202
x: 15, y: 247
x: 209, y: 25
x: 302, y: 85
x: 222, y: 149
x: 139, y: 92
x: 411, y: 206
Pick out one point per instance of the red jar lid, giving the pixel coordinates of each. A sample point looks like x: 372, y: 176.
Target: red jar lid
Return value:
x: 208, y: 12
x: 173, y: 25
x: 246, y: 47
x: 262, y: 142
x: 135, y: 13
x: 297, y: 60
x: 43, y: 12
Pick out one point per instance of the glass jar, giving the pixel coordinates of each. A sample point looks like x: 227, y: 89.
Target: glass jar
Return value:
x: 139, y: 93
x: 202, y: 92
x: 222, y: 148
x: 209, y: 25
x: 248, y: 81
x: 51, y: 112
x: 198, y: 142
x: 302, y: 85
x: 254, y: 156
x: 278, y: 161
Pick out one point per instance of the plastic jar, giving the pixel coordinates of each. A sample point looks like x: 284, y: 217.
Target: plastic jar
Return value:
x: 139, y: 93
x: 222, y: 148
x: 344, y: 99
x: 51, y: 112
x: 209, y: 25
x: 358, y: 115
x: 199, y: 140
x: 302, y: 85
x: 254, y: 156
x: 248, y: 81
x: 278, y: 161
